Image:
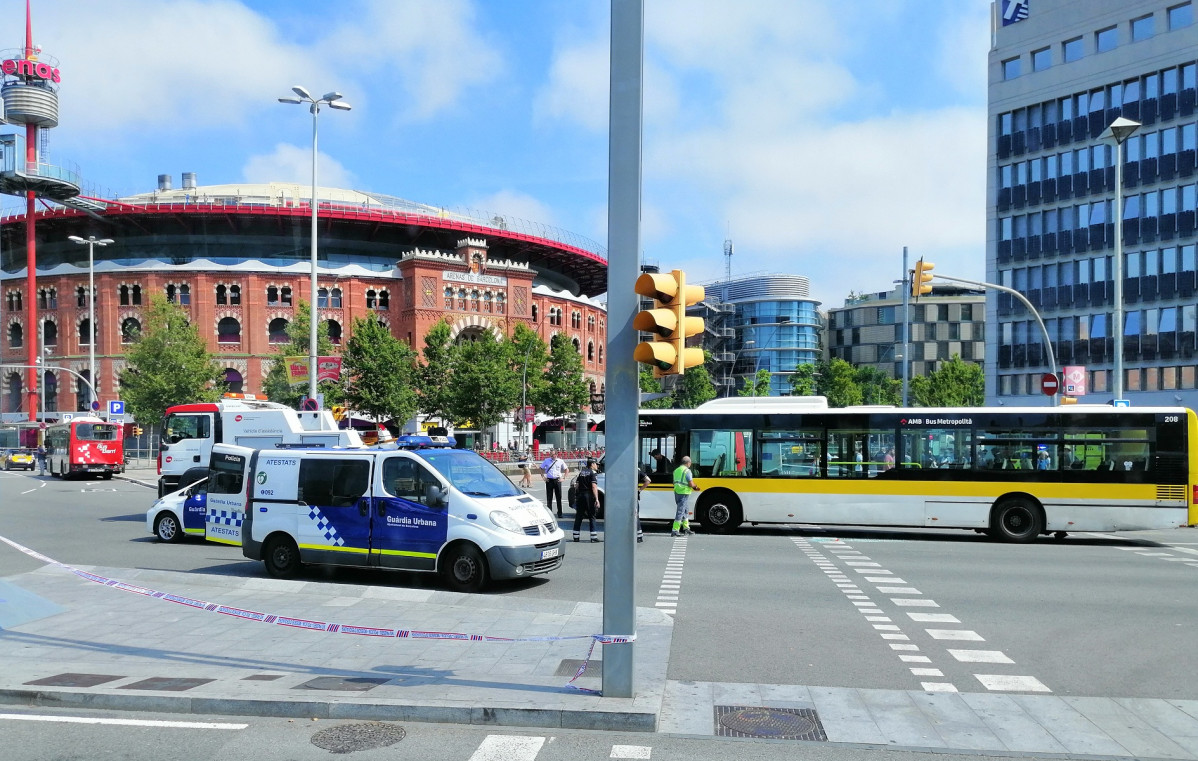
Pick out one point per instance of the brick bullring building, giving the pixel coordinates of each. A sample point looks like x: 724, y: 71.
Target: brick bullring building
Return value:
x: 237, y: 259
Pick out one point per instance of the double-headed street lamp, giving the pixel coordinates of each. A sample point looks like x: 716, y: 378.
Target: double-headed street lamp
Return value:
x: 1118, y: 131
x: 332, y: 100
x: 91, y: 241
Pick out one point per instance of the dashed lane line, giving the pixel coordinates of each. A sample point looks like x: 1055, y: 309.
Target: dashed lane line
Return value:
x: 671, y: 581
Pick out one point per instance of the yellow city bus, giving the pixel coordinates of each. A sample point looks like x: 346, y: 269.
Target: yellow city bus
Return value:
x: 1013, y: 473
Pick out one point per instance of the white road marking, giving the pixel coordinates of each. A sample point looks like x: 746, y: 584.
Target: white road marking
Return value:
x: 896, y: 636
x: 874, y: 570
x: 1006, y: 683
x: 897, y: 646
x: 30, y: 491
x: 885, y: 619
x: 980, y: 656
x: 630, y: 751
x: 120, y: 722
x: 926, y: 672
x: 899, y: 591
x: 884, y: 580
x: 907, y: 602
x: 862, y: 564
x: 937, y: 687
x: 864, y: 604
x: 508, y: 748
x: 915, y: 659
x: 933, y: 618
x: 957, y: 634
x: 887, y: 627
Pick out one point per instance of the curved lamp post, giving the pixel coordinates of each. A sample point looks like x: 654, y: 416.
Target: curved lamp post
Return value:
x: 91, y: 241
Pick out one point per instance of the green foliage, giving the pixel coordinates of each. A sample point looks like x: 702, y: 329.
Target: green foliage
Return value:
x: 275, y: 384
x: 955, y: 383
x: 838, y: 382
x: 879, y: 388
x: 484, y: 388
x: 168, y: 364
x: 527, y: 350
x: 566, y: 391
x: 805, y: 380
x: 759, y: 385
x: 651, y: 385
x: 434, y: 389
x: 695, y: 389
x: 379, y: 370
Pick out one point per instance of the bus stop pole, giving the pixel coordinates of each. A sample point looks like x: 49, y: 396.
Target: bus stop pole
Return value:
x: 623, y: 378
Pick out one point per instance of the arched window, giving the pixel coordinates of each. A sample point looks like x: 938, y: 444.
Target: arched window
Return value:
x: 591, y: 354
x: 272, y: 295
x: 123, y: 293
x: 335, y: 298
x: 180, y: 294
x: 170, y: 293
x: 12, y: 393
x: 232, y: 381
x: 86, y: 334
x: 462, y: 299
x: 334, y: 331
x: 448, y: 297
x: 384, y: 300
x: 14, y: 301
x: 130, y: 330
x: 49, y: 333
x: 322, y: 298
x: 235, y: 295
x: 372, y: 299
x: 285, y: 294
x: 50, y: 384
x: 136, y: 295
x: 278, y: 331
x: 591, y: 322
x: 488, y: 300
x: 475, y: 296
x: 16, y: 336
x: 534, y: 312
x: 222, y: 295
x: 81, y: 297
x: 501, y: 304
x: 577, y: 345
x: 228, y: 331
x: 576, y: 320
x: 47, y: 298
x: 600, y: 353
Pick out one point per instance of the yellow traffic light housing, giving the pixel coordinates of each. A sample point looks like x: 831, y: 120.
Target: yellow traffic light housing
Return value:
x: 921, y: 279
x: 668, y: 353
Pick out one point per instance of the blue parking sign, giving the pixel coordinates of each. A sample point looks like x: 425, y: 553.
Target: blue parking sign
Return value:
x: 116, y: 407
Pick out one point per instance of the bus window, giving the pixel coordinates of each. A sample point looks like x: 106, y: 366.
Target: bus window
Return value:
x: 659, y: 454
x: 1018, y: 449
x: 859, y: 453
x: 936, y: 448
x: 721, y: 453
x: 1114, y: 449
x: 95, y: 432
x: 787, y: 454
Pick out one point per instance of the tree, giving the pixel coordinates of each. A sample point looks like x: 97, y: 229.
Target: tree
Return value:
x: 955, y: 383
x: 529, y: 351
x: 651, y: 385
x: 566, y: 390
x: 839, y: 384
x: 276, y: 386
x: 434, y: 395
x: 878, y: 388
x: 695, y: 389
x: 379, y: 370
x: 758, y: 385
x: 168, y: 364
x: 805, y: 380
x: 484, y: 387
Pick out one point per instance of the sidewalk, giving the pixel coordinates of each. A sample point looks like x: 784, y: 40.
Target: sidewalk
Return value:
x: 67, y: 641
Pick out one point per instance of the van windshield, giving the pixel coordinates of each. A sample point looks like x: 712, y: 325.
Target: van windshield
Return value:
x: 469, y: 473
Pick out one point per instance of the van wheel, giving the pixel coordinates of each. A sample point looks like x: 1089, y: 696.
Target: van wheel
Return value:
x: 1016, y: 520
x: 281, y: 557
x: 166, y: 528
x: 465, y: 569
x: 719, y: 512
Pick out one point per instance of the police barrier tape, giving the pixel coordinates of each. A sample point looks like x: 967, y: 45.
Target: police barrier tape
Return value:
x: 325, y: 626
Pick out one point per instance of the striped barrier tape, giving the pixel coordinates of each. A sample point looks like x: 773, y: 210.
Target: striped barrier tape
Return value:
x: 325, y: 626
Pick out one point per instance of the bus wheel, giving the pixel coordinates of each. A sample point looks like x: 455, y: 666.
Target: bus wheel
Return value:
x: 166, y: 528
x: 465, y: 569
x: 719, y: 512
x: 281, y: 557
x: 1015, y: 520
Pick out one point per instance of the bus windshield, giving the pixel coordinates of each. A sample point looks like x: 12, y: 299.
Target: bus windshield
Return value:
x: 95, y: 432
x: 469, y: 473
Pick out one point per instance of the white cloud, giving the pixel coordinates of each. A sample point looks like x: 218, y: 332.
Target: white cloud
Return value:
x: 577, y: 89
x: 514, y: 205
x: 291, y: 163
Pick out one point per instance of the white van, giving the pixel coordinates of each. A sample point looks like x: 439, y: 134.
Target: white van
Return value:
x: 429, y: 508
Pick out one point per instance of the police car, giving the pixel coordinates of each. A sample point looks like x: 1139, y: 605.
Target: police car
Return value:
x: 181, y: 512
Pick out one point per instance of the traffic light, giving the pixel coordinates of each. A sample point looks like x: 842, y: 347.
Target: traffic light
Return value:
x: 921, y: 279
x: 137, y: 430
x: 668, y: 353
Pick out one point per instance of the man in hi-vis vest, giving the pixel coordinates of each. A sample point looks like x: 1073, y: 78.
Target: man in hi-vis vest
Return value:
x: 684, y: 484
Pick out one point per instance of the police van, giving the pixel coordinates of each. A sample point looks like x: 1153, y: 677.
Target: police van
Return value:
x: 417, y: 507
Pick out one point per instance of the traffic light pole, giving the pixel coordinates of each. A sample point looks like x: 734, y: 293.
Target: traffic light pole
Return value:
x: 623, y: 374
x: 906, y: 325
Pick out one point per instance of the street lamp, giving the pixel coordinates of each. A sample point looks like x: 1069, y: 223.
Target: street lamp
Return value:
x: 524, y: 400
x: 91, y: 243
x: 1118, y: 131
x: 332, y: 100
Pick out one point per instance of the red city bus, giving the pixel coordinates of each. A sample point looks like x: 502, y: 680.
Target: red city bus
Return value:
x: 84, y: 446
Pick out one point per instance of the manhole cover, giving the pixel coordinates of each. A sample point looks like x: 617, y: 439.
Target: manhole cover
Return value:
x: 769, y: 723
x: 354, y: 737
x: 343, y: 683
x: 166, y: 684
x: 261, y: 677
x: 74, y: 680
x: 570, y: 666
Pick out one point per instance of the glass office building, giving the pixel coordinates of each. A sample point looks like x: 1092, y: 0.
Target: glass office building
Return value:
x: 776, y: 325
x: 1060, y: 71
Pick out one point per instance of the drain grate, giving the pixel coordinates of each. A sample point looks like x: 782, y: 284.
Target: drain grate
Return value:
x: 166, y: 684
x: 769, y: 723
x: 570, y: 666
x: 343, y: 683
x: 74, y: 680
x: 350, y: 738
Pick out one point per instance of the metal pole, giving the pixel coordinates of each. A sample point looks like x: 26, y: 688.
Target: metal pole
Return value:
x: 315, y: 312
x: 906, y: 326
x: 1118, y: 271
x: 91, y: 314
x: 624, y: 238
x: 524, y: 402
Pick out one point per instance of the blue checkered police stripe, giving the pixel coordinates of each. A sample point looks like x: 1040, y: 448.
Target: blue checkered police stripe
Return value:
x: 325, y: 527
x: 225, y: 517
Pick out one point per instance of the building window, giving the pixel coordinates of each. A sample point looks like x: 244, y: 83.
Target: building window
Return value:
x: 86, y: 333
x: 577, y: 345
x: 335, y: 298
x: 1106, y: 39
x: 16, y: 336
x: 488, y: 302
x: 272, y: 296
x: 277, y: 330
x: 222, y: 295
x: 501, y: 304
x: 47, y: 298
x: 228, y: 331
x: 123, y: 294
x: 1181, y: 16
x: 600, y: 353
x: 14, y: 301
x: 1072, y: 50
x: 285, y: 294
x: 322, y: 298
x: 334, y: 331
x: 576, y: 320
x: 81, y: 297
x: 448, y: 297
x: 235, y: 295
x: 1010, y: 68
x: 475, y: 298
x: 232, y: 381
x: 1142, y: 28
x: 534, y: 312
x: 591, y: 323
x: 180, y: 294
x: 130, y: 330
x: 1041, y: 59
x: 590, y: 351
x: 49, y: 333
x: 384, y: 300
x: 372, y: 299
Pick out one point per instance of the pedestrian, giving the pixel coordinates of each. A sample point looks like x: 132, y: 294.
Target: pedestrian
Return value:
x: 888, y: 459
x: 684, y: 484
x: 41, y: 459
x: 525, y: 475
x: 586, y: 499
x: 1043, y: 461
x: 553, y: 470
x: 644, y: 480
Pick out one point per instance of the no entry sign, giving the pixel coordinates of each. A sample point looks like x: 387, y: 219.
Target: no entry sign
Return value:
x: 1049, y: 384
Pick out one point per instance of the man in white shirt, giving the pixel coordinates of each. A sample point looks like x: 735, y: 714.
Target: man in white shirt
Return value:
x: 554, y: 470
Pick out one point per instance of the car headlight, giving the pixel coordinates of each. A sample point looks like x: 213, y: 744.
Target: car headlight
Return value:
x: 505, y: 521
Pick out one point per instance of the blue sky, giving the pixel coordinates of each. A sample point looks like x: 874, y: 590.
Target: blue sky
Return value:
x: 820, y: 136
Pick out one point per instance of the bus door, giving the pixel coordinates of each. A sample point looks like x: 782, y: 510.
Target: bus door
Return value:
x: 186, y: 440
x: 409, y: 515
x: 658, y: 455
x: 334, y: 510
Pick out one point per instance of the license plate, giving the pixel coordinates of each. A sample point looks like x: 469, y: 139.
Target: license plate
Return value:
x: 546, y: 554
x: 95, y: 468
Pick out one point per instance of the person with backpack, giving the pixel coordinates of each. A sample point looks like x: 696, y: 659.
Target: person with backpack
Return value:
x: 553, y: 470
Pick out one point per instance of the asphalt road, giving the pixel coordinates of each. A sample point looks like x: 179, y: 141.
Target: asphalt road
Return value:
x: 1090, y: 616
